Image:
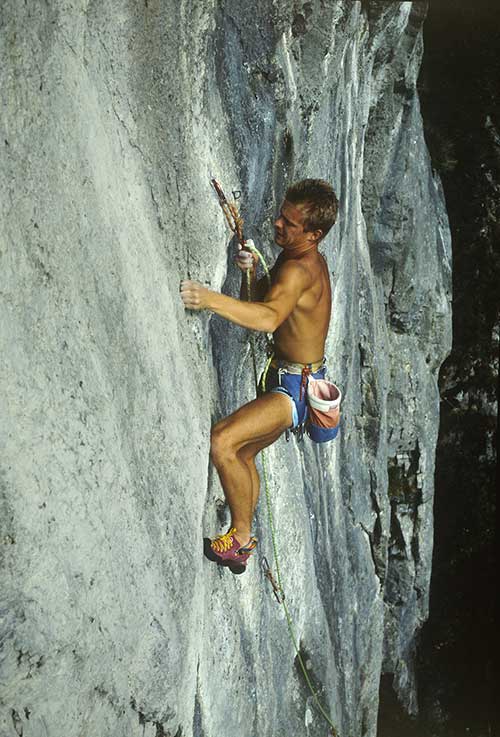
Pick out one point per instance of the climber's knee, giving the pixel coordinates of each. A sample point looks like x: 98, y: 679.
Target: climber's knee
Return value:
x: 222, y: 448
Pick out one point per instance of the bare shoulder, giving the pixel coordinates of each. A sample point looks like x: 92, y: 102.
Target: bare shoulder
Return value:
x: 321, y: 266
x: 294, y: 270
x: 322, y: 259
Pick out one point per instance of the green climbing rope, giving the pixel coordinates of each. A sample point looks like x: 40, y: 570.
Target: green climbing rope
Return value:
x: 235, y: 222
x: 281, y: 599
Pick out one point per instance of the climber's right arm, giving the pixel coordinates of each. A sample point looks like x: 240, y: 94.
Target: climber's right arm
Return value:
x: 247, y: 261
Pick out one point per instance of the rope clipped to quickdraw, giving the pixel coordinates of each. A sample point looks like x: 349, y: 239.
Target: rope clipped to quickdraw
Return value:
x: 235, y: 222
x: 230, y: 210
x: 266, y: 569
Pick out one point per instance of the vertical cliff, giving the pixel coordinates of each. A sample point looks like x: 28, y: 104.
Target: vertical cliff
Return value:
x: 114, y: 116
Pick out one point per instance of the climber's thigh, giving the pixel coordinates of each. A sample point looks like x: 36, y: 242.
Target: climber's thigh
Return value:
x: 260, y: 421
x: 250, y: 450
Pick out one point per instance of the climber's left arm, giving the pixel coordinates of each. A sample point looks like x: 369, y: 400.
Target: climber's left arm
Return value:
x: 265, y: 316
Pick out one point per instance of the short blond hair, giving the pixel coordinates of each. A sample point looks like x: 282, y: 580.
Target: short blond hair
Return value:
x: 319, y: 201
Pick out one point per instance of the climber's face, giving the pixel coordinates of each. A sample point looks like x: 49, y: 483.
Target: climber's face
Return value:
x: 289, y: 232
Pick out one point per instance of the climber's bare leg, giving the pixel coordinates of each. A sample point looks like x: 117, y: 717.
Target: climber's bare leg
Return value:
x: 235, y: 442
x: 248, y: 455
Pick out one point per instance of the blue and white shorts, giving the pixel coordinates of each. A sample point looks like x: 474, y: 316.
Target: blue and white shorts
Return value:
x: 293, y: 385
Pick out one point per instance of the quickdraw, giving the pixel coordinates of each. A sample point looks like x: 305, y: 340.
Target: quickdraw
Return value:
x: 278, y: 593
x: 230, y: 210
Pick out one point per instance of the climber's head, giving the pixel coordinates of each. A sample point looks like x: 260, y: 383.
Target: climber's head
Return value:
x: 308, y: 212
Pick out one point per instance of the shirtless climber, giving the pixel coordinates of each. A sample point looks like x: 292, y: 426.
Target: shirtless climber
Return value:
x: 296, y: 309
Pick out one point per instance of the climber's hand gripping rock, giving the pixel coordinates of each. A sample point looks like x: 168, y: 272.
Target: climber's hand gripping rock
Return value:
x: 194, y: 295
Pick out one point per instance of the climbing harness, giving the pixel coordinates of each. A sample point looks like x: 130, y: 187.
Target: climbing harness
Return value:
x: 235, y: 222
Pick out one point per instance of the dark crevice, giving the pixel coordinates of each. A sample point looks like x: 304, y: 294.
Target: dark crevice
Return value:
x: 459, y: 88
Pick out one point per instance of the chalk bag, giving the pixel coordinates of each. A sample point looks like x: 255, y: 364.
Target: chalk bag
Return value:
x: 323, y: 399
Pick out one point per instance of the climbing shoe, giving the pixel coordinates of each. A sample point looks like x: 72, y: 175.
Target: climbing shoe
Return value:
x: 225, y: 550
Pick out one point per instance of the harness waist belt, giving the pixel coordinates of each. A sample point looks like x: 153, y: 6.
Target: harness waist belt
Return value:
x: 297, y: 368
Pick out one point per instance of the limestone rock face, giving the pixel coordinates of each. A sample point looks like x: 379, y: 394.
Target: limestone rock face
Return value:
x: 114, y: 116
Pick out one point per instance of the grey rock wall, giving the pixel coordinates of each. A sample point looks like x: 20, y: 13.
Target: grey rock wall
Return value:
x: 114, y: 115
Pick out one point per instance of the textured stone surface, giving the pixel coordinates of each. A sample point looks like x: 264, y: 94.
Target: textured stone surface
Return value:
x: 114, y: 115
